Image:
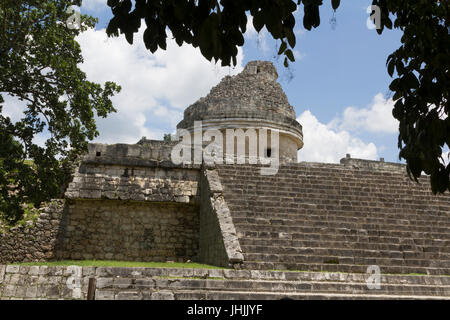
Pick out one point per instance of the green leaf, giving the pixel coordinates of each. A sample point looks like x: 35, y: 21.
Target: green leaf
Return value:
x: 391, y: 67
x: 129, y: 37
x: 290, y: 55
x: 411, y: 81
x: 112, y: 3
x: 291, y: 38
x: 335, y: 4
x: 258, y: 21
x: 283, y: 47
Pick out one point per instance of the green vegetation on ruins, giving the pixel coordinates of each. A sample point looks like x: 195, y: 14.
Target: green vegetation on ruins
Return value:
x: 107, y: 263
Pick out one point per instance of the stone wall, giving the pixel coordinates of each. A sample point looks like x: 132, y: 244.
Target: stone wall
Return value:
x: 122, y: 182
x: 125, y: 202
x: 219, y: 244
x: 130, y: 231
x: 44, y: 282
x: 36, y: 241
x: 362, y: 164
x: 129, y: 202
x: 253, y: 93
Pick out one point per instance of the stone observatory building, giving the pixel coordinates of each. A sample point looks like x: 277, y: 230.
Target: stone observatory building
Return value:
x: 251, y: 100
x: 357, y: 229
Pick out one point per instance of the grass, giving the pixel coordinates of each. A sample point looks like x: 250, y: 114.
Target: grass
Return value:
x: 107, y: 263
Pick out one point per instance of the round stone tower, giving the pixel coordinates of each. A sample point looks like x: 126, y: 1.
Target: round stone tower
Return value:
x: 253, y: 99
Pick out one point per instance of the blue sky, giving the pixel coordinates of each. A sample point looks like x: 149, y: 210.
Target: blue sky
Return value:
x: 339, y: 88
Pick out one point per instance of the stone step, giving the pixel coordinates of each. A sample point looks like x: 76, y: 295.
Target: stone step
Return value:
x: 258, y: 209
x: 340, y: 229
x: 337, y: 237
x: 322, y: 175
x: 368, y: 184
x: 296, y: 204
x: 309, y: 214
x: 369, y: 187
x: 342, y: 251
x: 347, y: 268
x: 335, y: 259
x: 242, y: 217
x: 243, y: 274
x: 280, y: 243
x: 280, y: 286
x: 211, y: 295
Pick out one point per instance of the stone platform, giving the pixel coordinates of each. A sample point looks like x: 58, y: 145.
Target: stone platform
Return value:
x: 28, y: 282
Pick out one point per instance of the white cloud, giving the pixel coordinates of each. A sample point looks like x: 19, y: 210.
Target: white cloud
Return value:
x: 13, y: 107
x: 377, y: 118
x: 324, y: 144
x: 156, y: 88
x: 298, y: 55
x: 300, y: 31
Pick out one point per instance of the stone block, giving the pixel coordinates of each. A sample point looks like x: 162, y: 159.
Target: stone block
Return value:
x: 122, y: 283
x: 9, y: 291
x: 104, y: 272
x: 31, y: 292
x: 41, y: 291
x: 144, y: 284
x: 54, y: 280
x: 103, y: 283
x: 43, y: 270
x: 12, y: 269
x: 104, y: 294
x: 34, y: 270
x: 24, y: 269
x: 53, y: 291
x: 128, y: 295
x: 88, y: 271
x: 2, y: 273
x: 215, y: 273
x: 15, y: 279
x: 21, y: 291
x: 163, y: 295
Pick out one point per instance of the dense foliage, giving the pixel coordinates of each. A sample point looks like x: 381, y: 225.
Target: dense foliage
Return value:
x: 39, y: 60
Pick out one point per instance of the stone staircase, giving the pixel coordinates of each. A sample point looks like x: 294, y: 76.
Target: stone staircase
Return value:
x: 215, y: 284
x: 326, y: 217
x: 119, y: 283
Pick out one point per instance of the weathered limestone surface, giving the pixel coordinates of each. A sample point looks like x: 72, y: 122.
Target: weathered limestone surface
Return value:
x: 128, y: 182
x: 334, y: 217
x: 130, y: 231
x: 131, y: 202
x: 37, y: 241
x: 253, y: 93
x: 71, y: 283
x: 219, y: 244
x: 360, y: 164
x: 254, y: 100
x: 126, y: 202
